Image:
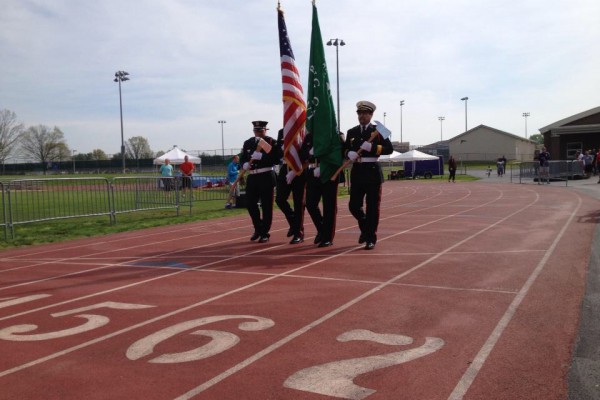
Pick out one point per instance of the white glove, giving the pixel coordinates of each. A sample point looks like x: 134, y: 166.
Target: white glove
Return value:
x: 317, y: 172
x: 311, y: 151
x: 290, y: 176
x: 246, y: 166
x: 352, y: 155
x: 257, y: 155
x: 366, y: 146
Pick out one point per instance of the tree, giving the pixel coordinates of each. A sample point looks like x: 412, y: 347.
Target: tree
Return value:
x: 137, y: 148
x: 98, y: 154
x: 10, y: 134
x: 63, y: 153
x: 44, y: 145
x: 539, y: 139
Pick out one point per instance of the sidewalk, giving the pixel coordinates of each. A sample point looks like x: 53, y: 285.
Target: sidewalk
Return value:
x: 584, y: 373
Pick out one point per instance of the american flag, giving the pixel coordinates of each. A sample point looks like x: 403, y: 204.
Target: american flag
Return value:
x: 294, y: 106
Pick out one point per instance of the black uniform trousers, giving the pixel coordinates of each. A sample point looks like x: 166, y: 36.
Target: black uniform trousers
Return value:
x: 260, y: 187
x: 365, y: 181
x: 315, y: 191
x: 294, y: 217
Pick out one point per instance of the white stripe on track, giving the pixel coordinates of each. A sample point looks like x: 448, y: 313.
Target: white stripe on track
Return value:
x: 175, y: 312
x: 471, y: 373
x: 208, y: 384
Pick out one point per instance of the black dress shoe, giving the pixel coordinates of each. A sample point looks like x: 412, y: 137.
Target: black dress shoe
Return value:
x: 263, y: 239
x: 361, y: 239
x: 317, y: 238
x: 290, y: 232
x: 254, y: 236
x: 325, y: 244
x: 369, y: 246
x: 297, y: 239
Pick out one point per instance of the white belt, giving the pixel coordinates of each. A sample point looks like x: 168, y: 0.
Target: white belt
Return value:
x: 313, y: 166
x: 368, y: 159
x: 260, y: 170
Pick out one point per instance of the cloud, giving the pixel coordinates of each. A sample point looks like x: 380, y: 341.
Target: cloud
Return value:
x: 195, y: 63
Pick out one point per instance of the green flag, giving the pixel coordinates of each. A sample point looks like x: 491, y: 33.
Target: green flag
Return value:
x: 320, y: 119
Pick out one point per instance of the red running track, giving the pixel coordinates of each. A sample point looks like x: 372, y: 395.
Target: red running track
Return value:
x: 473, y: 291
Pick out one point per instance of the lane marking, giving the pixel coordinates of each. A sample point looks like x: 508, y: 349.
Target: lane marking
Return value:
x: 12, y: 301
x: 175, y: 312
x: 471, y: 373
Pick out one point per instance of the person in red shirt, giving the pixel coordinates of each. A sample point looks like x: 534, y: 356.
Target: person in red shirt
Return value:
x: 187, y: 169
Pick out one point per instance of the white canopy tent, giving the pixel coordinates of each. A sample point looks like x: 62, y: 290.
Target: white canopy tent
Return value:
x: 390, y: 157
x: 416, y: 155
x: 176, y: 156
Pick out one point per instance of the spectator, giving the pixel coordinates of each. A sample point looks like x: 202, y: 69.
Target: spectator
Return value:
x: 232, y: 175
x: 544, y: 160
x: 588, y: 160
x: 187, y: 170
x: 500, y: 167
x: 452, y: 169
x: 166, y: 171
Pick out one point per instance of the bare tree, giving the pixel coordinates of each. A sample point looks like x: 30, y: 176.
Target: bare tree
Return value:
x: 10, y: 133
x: 137, y: 148
x: 44, y: 145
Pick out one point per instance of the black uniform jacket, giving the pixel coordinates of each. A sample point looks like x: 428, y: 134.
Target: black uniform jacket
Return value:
x: 267, y: 160
x: 355, y: 138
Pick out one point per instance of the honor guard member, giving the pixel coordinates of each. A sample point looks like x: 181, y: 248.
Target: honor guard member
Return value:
x: 288, y: 182
x: 366, y: 176
x: 258, y: 163
x: 316, y: 191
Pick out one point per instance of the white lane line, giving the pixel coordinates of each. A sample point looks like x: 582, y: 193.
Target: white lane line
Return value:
x: 250, y: 360
x: 126, y: 263
x: 471, y: 373
x: 133, y: 236
x: 175, y: 312
x: 171, y: 253
x: 112, y: 250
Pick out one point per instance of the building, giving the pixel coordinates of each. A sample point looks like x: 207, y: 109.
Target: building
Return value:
x: 578, y: 132
x: 484, y: 143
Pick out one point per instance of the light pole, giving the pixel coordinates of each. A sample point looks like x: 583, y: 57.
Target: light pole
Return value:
x: 121, y: 76
x: 384, y: 114
x: 441, y: 129
x: 73, y: 158
x: 526, y: 114
x: 222, y: 140
x: 337, y: 42
x: 401, y: 104
x: 465, y: 99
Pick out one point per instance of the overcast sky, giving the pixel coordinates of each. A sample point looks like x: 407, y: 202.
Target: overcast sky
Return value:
x: 195, y: 62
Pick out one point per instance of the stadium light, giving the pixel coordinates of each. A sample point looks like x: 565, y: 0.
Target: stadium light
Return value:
x: 526, y: 114
x: 465, y: 99
x: 121, y: 76
x: 222, y: 140
x: 401, y: 104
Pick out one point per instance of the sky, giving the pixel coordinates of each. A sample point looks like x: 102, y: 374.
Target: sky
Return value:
x: 193, y: 63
